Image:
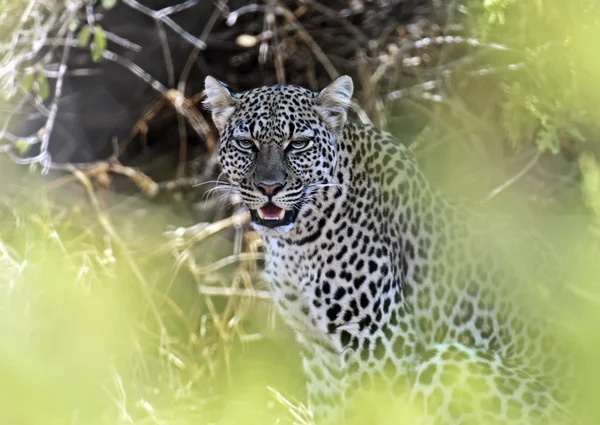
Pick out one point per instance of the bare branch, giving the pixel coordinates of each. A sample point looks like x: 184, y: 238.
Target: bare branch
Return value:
x: 45, y: 158
x: 162, y: 16
x: 233, y: 292
x: 494, y: 192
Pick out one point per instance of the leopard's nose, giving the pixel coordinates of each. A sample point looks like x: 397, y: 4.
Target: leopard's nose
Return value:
x: 270, y: 189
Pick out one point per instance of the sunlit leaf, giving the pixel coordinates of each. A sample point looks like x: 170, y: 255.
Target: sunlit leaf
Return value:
x: 43, y: 87
x: 99, y: 44
x: 21, y: 146
x: 28, y: 81
x: 108, y: 4
x: 83, y: 38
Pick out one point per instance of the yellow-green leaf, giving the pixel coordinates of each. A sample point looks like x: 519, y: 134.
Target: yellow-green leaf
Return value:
x: 43, y: 87
x: 108, y: 4
x: 576, y: 133
x: 28, y: 81
x: 590, y: 184
x: 99, y: 44
x: 21, y: 146
x: 83, y: 38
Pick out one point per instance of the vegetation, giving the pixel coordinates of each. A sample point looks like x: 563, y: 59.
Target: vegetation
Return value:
x: 130, y: 292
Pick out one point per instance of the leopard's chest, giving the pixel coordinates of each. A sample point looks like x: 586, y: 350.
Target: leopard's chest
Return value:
x: 298, y: 288
x: 335, y: 293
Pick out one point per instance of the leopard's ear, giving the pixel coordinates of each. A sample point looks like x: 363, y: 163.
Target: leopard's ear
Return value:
x: 218, y: 100
x: 333, y: 102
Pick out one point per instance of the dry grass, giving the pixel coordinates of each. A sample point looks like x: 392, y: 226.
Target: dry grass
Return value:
x: 108, y: 325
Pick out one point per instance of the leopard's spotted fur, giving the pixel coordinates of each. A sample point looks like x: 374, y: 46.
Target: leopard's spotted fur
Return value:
x: 384, y: 281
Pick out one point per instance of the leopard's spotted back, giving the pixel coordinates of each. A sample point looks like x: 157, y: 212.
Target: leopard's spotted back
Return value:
x: 386, y: 282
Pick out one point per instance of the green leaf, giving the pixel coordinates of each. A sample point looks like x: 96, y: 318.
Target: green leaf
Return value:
x: 548, y: 139
x: 83, y: 38
x: 21, y: 146
x: 590, y: 183
x: 73, y: 25
x: 28, y: 81
x: 43, y: 87
x: 576, y: 133
x: 99, y: 44
x: 108, y: 4
x: 518, y: 120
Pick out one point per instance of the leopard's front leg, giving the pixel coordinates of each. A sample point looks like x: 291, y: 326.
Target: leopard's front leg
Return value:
x: 325, y: 382
x: 457, y: 385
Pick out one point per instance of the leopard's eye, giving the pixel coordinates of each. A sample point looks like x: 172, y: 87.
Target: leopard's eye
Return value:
x: 245, y: 144
x: 299, y: 145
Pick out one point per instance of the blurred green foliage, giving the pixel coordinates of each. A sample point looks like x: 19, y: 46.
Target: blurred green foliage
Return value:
x: 98, y: 332
x: 550, y: 99
x: 86, y: 339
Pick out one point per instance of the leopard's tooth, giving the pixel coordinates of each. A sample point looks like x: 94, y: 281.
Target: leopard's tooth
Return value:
x: 281, y: 214
x: 260, y: 214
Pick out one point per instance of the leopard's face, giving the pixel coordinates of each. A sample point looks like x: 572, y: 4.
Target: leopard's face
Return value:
x: 277, y: 148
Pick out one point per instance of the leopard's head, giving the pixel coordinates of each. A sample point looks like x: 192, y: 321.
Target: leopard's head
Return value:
x: 278, y: 146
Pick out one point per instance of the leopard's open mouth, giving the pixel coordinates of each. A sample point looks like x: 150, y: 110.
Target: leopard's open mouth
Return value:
x: 271, y: 215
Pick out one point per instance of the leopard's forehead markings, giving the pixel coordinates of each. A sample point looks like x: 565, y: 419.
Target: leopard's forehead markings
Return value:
x: 275, y: 113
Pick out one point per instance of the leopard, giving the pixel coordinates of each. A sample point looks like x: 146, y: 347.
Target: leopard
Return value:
x: 386, y: 282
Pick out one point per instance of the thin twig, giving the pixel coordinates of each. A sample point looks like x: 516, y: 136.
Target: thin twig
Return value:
x: 141, y: 180
x: 162, y: 15
x: 224, y: 262
x: 180, y: 171
x: 339, y: 17
x: 304, y: 35
x: 231, y: 292
x: 251, y: 8
x: 208, y: 230
x: 44, y: 155
x: 181, y: 86
x: 166, y: 51
x: 494, y: 192
x: 110, y: 230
